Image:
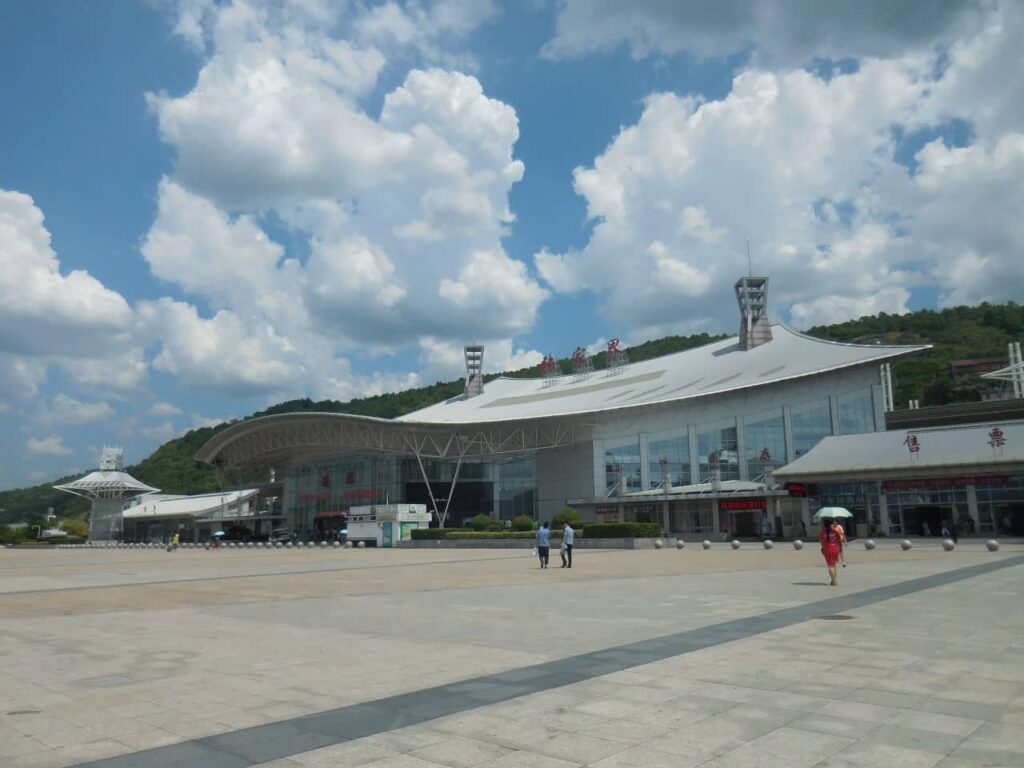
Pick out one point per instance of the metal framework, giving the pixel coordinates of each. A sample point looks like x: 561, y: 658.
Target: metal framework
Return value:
x: 286, y: 439
x: 1013, y: 373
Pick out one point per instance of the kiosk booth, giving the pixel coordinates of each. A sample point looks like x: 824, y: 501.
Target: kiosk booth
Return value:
x: 384, y: 525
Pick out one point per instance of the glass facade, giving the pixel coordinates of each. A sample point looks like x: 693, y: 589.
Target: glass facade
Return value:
x: 676, y: 453
x: 924, y: 511
x: 861, y: 499
x: 318, y: 495
x: 856, y: 413
x: 765, y: 445
x: 692, y: 517
x: 1001, y: 505
x: 722, y: 443
x: 811, y: 424
x: 622, y: 462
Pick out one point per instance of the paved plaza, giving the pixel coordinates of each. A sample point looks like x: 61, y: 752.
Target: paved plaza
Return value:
x: 464, y: 658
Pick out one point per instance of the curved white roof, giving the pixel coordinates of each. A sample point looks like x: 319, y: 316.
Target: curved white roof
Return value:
x: 107, y: 484
x: 199, y: 505
x: 715, y: 368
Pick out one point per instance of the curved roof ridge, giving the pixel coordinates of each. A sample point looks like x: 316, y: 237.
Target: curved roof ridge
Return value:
x: 803, y: 335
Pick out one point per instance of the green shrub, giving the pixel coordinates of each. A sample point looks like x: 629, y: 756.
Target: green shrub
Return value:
x: 623, y: 530
x: 522, y: 523
x: 482, y: 521
x: 460, y: 535
x: 567, y: 515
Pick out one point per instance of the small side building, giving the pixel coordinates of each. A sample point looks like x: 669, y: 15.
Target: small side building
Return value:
x: 915, y: 482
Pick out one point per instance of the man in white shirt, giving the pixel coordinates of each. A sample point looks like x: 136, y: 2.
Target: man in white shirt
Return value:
x: 568, y: 537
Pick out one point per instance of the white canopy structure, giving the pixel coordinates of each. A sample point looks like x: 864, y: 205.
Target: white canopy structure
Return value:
x: 109, y: 487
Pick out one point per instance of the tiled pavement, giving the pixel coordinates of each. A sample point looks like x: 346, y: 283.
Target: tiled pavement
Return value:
x: 714, y: 667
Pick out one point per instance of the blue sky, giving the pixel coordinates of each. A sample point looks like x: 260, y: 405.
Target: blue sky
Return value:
x: 208, y: 207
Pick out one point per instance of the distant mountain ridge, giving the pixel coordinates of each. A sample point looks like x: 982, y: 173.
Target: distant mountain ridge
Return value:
x: 955, y: 333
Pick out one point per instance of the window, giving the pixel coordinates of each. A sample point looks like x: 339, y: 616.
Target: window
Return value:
x: 811, y: 423
x: 765, y: 445
x: 622, y: 468
x: 676, y: 452
x: 856, y: 413
x: 720, y: 443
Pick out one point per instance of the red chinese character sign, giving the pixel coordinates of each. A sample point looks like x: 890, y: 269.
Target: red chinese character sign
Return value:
x: 913, y: 444
x: 996, y: 439
x: 549, y: 369
x: 617, y: 357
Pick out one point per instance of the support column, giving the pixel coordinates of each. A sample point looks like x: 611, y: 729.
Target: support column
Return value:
x: 691, y: 436
x: 833, y: 408
x: 741, y: 448
x: 883, y: 511
x: 430, y: 492
x: 972, y: 507
x: 787, y: 432
x: 645, y: 464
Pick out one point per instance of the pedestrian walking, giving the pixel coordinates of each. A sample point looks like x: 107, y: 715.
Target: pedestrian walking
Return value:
x: 829, y: 539
x: 842, y: 541
x: 568, y: 538
x: 175, y: 541
x: 543, y: 544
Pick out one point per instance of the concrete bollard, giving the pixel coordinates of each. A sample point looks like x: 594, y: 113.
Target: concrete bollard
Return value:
x: 735, y: 543
x: 905, y: 545
x: 336, y: 544
x: 993, y: 545
x: 869, y: 544
x: 361, y: 545
x: 798, y: 544
x: 706, y: 544
x: 658, y: 544
x: 679, y: 544
x: 948, y: 545
x: 348, y: 545
x: 768, y: 544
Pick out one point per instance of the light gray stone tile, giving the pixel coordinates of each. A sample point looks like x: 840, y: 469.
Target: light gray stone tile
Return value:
x: 641, y: 757
x: 460, y: 752
x: 876, y: 755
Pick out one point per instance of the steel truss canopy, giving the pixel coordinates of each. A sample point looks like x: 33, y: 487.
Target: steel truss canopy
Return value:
x: 107, y: 485
x: 288, y: 439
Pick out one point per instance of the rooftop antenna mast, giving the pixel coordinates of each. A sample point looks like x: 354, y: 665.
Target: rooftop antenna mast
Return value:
x: 750, y: 267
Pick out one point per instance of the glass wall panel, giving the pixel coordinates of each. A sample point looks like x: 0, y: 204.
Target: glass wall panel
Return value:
x: 765, y: 445
x: 856, y: 413
x: 622, y: 463
x: 517, y: 486
x: 692, y: 517
x: 676, y: 453
x: 811, y: 423
x: 722, y: 443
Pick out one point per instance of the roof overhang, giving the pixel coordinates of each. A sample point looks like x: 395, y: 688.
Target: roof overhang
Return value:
x: 288, y: 439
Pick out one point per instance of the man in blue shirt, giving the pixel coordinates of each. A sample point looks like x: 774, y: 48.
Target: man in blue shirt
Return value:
x: 569, y: 537
x: 543, y: 544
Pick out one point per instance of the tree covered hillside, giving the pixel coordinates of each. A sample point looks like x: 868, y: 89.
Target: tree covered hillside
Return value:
x: 956, y: 333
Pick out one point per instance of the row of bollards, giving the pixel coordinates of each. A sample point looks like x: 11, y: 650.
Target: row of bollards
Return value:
x: 948, y: 544
x: 223, y: 545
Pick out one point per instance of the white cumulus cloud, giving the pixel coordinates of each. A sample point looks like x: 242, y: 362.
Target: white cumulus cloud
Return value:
x: 51, y: 445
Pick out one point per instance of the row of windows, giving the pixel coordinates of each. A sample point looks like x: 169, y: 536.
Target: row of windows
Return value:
x: 671, y: 464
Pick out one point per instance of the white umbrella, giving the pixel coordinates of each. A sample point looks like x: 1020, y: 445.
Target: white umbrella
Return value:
x: 832, y: 512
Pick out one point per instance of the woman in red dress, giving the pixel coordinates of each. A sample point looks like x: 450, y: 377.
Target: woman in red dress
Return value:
x: 830, y: 539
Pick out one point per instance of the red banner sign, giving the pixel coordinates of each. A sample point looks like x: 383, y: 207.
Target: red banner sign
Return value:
x: 736, y: 505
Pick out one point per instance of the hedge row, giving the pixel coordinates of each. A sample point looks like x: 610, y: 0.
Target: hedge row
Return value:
x: 592, y: 531
x: 433, y: 533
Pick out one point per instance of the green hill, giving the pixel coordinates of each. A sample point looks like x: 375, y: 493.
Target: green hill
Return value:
x: 956, y: 333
